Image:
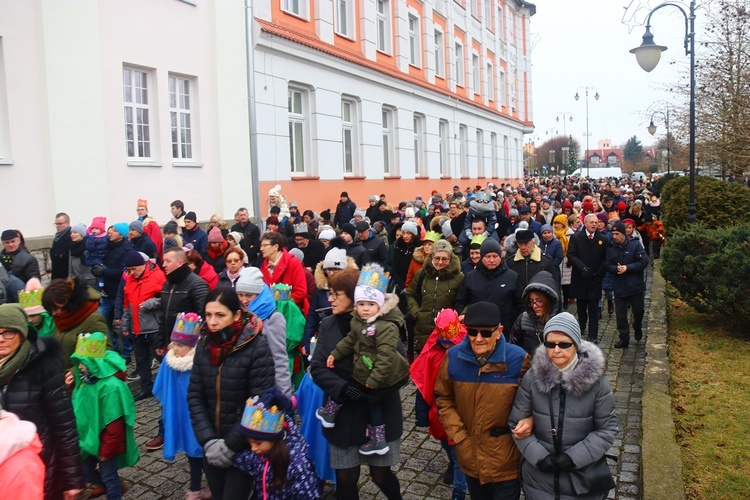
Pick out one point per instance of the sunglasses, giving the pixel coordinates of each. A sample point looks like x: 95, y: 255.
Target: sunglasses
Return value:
x: 561, y: 345
x: 473, y: 332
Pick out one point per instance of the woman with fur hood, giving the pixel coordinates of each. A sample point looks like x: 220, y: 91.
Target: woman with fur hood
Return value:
x: 574, y: 419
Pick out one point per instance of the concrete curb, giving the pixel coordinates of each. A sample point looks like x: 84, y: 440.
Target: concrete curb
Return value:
x: 661, y: 463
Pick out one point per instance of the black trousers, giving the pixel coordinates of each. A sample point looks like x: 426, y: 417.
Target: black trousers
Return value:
x: 228, y: 484
x: 144, y: 347
x: 504, y: 490
x: 589, y: 309
x: 636, y: 302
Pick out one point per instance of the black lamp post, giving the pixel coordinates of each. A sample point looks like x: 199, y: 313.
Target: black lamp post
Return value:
x: 648, y: 55
x: 596, y: 96
x: 652, y: 130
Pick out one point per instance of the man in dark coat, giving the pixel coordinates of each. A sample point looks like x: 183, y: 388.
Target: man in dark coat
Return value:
x: 59, y: 254
x: 376, y: 249
x: 587, y: 254
x: 313, y: 250
x: 141, y: 241
x: 250, y: 235
x: 344, y: 210
x: 354, y: 248
x: 16, y: 258
x: 529, y: 259
x: 194, y: 235
x: 492, y: 281
x: 626, y: 260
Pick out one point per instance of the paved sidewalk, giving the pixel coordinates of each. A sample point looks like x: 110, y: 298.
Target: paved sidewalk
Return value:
x: 422, y: 459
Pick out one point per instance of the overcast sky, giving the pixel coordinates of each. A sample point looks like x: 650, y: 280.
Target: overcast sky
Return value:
x: 578, y: 43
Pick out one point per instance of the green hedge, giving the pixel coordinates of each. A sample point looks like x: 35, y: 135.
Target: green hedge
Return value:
x: 718, y: 203
x: 710, y: 270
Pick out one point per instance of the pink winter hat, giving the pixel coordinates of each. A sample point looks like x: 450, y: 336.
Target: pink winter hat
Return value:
x: 98, y: 223
x: 215, y: 236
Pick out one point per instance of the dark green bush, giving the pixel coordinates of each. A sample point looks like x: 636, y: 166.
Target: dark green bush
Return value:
x: 718, y: 203
x: 710, y: 270
x: 658, y: 185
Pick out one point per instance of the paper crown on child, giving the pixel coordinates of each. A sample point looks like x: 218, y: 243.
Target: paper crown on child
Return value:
x: 142, y: 203
x: 431, y: 236
x: 263, y: 418
x: 31, y: 298
x: 482, y: 197
x: 281, y: 292
x: 374, y: 276
x: 301, y: 228
x: 187, y: 328
x: 91, y: 345
x: 449, y: 328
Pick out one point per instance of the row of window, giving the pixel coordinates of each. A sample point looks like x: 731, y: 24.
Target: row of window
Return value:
x: 300, y: 141
x: 140, y: 115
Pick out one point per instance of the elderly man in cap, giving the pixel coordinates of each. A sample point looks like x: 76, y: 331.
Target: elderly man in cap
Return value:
x: 492, y: 281
x: 193, y: 235
x: 474, y: 393
x: 141, y: 241
x: 376, y: 249
x: 529, y: 259
x: 626, y: 260
x: 525, y: 215
x: 313, y: 250
x: 16, y: 258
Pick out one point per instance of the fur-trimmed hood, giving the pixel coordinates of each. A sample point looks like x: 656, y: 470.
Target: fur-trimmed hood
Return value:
x: 419, y: 255
x: 452, y: 269
x: 390, y: 308
x: 321, y: 282
x: 584, y: 377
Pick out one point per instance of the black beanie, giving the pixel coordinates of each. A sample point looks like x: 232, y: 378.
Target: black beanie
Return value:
x: 490, y: 246
x: 481, y: 314
x: 619, y: 227
x: 348, y: 229
x: 191, y: 216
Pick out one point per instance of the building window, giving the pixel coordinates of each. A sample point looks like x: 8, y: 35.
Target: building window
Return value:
x: 349, y: 135
x: 460, y: 71
x: 488, y: 15
x: 5, y: 153
x: 415, y: 53
x: 137, y: 109
x: 345, y: 18
x: 500, y: 24
x: 463, y: 149
x: 297, y: 107
x: 516, y: 163
x: 388, y: 140
x: 476, y: 8
x: 476, y: 75
x: 445, y: 168
x: 501, y: 89
x: 295, y: 7
x: 180, y: 116
x: 419, y: 143
x: 490, y: 83
x: 439, y: 55
x: 384, y: 26
x: 506, y: 157
x: 480, y: 153
x: 493, y: 154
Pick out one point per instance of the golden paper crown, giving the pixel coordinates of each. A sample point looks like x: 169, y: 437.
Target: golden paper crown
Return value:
x: 91, y: 345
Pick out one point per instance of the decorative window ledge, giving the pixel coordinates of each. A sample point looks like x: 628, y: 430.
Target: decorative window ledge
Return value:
x: 144, y: 164
x: 392, y: 177
x: 187, y: 164
x: 421, y: 177
x: 354, y: 177
x: 6, y: 162
x: 306, y: 178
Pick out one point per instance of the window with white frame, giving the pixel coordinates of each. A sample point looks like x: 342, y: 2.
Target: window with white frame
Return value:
x: 515, y: 156
x: 463, y: 149
x: 389, y: 145
x: 499, y: 22
x: 476, y: 8
x: 506, y: 158
x: 297, y: 108
x: 488, y: 15
x: 439, y: 54
x: 493, y: 154
x: 345, y: 18
x: 419, y: 143
x: 135, y: 88
x: 476, y: 73
x: 181, y: 117
x: 460, y: 70
x: 415, y: 50
x: 384, y: 25
x: 490, y: 82
x: 480, y: 153
x: 445, y: 168
x: 501, y: 89
x: 5, y: 153
x: 295, y: 7
x: 349, y: 135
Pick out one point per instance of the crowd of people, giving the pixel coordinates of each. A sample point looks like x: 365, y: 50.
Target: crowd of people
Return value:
x: 280, y: 347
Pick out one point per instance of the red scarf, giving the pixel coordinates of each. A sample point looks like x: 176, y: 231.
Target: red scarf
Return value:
x: 216, y: 252
x: 66, y: 320
x: 221, y: 343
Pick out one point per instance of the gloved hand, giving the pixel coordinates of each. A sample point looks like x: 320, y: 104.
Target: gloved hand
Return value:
x: 586, y: 272
x: 97, y: 270
x: 218, y: 453
x: 565, y: 463
x: 353, y: 393
x: 547, y: 464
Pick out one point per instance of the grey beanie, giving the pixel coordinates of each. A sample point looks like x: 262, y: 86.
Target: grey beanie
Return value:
x: 564, y: 323
x: 137, y: 225
x: 490, y: 246
x: 79, y: 228
x: 250, y: 280
x: 297, y: 253
x: 446, y: 229
x: 410, y: 227
x: 513, y: 212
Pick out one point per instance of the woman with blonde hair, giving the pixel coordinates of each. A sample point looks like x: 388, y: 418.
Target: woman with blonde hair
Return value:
x: 217, y: 221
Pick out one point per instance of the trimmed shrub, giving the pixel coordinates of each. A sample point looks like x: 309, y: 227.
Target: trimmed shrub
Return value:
x: 658, y: 185
x: 718, y: 203
x: 710, y: 270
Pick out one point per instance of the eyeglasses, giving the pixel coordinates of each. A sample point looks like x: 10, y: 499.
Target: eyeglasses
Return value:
x: 263, y: 245
x: 473, y: 332
x: 561, y: 345
x: 9, y: 334
x: 441, y: 259
x: 334, y: 295
x: 536, y: 302
x: 60, y: 223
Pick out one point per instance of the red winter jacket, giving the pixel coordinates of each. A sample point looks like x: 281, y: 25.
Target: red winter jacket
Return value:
x: 290, y: 272
x: 151, y: 228
x: 208, y: 273
x: 137, y: 291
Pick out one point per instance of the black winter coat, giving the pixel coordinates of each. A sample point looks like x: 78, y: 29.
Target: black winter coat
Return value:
x: 528, y: 268
x: 145, y: 244
x: 630, y: 254
x: 184, y: 291
x: 499, y: 286
x: 250, y: 239
x: 59, y: 255
x: 588, y: 259
x: 376, y: 249
x: 24, y: 265
x: 217, y: 394
x: 37, y: 393
x: 353, y: 418
x: 400, y: 257
x: 114, y: 264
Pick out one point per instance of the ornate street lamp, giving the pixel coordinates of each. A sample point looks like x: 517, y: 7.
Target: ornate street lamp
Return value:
x: 565, y: 116
x: 648, y: 55
x: 596, y: 96
x: 652, y: 130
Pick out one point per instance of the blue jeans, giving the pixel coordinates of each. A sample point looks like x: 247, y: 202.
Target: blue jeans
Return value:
x: 459, y: 478
x: 107, y: 309
x: 106, y: 475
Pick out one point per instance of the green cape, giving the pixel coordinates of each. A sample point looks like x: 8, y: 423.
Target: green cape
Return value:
x: 295, y: 329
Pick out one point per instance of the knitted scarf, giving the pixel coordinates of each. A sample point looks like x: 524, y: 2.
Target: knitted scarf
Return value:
x: 220, y: 344
x: 10, y: 365
x: 66, y: 320
x: 561, y: 233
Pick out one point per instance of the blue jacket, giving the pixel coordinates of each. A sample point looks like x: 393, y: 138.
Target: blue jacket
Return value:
x: 145, y: 244
x: 553, y: 248
x: 344, y: 212
x: 198, y: 238
x: 115, y: 265
x: 630, y: 254
x: 96, y: 249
